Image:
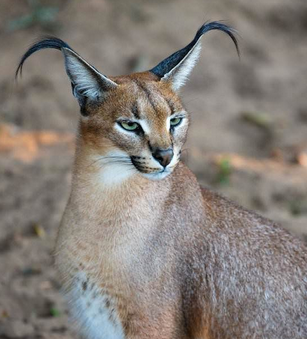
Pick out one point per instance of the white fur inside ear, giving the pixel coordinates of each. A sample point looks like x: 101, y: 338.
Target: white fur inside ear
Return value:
x: 87, y: 80
x: 179, y: 74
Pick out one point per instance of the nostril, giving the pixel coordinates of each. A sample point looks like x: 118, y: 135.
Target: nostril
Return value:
x: 163, y: 156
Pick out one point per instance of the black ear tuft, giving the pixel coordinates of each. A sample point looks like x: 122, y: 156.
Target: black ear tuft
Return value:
x: 88, y: 84
x: 47, y: 42
x: 167, y: 65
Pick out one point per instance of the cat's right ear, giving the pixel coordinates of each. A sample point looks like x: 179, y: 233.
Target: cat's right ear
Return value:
x: 88, y: 84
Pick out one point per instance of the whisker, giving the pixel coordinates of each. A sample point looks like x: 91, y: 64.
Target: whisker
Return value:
x: 107, y: 160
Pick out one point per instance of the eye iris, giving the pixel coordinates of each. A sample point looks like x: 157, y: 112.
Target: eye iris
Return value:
x: 130, y: 126
x: 175, y: 121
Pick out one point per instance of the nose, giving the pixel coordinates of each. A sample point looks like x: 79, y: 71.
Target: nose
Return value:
x: 163, y: 156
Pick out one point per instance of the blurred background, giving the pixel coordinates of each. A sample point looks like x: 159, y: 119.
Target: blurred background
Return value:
x: 248, y: 138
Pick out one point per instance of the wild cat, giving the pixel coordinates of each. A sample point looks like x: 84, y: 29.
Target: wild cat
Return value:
x: 143, y: 251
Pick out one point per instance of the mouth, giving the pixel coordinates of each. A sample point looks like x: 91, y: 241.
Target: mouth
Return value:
x: 155, y: 173
x: 140, y: 164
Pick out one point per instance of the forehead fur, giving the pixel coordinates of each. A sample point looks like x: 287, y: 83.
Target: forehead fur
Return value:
x: 141, y: 96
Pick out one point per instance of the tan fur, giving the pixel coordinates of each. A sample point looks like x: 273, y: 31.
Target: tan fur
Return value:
x: 179, y: 261
x: 142, y: 250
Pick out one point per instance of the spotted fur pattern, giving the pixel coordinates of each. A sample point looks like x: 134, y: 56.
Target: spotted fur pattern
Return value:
x: 94, y: 310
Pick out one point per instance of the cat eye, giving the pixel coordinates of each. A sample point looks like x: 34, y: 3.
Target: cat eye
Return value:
x: 129, y: 125
x: 175, y: 122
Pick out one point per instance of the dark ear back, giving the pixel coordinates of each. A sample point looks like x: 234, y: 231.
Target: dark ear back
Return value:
x: 87, y: 83
x: 179, y: 65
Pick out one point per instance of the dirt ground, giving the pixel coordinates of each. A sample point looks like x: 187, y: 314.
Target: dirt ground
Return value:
x: 248, y: 138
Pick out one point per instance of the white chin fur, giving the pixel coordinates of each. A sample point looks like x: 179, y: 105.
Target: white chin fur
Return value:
x: 157, y: 176
x: 112, y: 171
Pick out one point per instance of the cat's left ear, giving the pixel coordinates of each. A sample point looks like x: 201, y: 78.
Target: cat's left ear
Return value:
x: 178, y: 66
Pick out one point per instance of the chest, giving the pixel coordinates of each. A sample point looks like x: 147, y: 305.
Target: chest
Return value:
x: 94, y: 309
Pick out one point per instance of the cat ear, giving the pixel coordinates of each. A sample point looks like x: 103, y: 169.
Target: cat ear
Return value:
x: 88, y: 84
x: 85, y: 79
x: 178, y: 66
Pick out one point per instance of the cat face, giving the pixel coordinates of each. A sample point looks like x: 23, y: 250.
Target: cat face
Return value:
x: 140, y: 127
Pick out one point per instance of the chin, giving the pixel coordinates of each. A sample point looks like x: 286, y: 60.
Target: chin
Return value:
x: 157, y: 175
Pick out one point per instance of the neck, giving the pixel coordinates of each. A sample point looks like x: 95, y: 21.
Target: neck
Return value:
x: 103, y: 221
x: 105, y: 189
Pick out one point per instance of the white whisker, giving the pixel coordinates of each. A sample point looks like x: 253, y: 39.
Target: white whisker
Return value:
x: 114, y: 168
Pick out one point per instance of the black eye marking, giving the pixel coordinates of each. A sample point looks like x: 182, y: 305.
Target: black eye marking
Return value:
x: 135, y: 111
x: 171, y: 105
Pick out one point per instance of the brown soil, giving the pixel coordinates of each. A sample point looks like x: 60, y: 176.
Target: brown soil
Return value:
x: 248, y: 138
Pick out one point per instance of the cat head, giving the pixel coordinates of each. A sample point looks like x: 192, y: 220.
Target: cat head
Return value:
x: 135, y: 123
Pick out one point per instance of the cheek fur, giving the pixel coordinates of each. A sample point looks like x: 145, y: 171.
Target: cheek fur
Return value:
x: 180, y: 134
x: 130, y: 142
